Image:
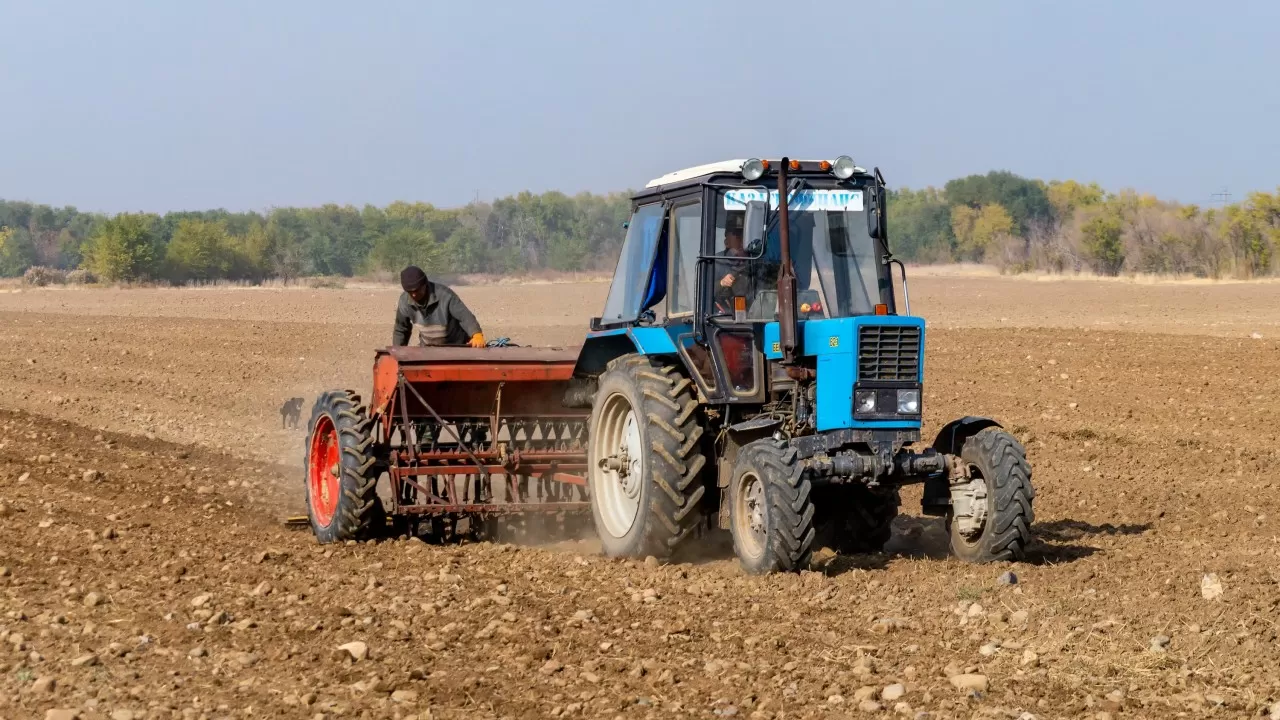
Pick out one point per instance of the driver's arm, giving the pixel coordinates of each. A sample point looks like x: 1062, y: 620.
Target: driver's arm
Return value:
x: 403, y: 326
x: 465, y: 317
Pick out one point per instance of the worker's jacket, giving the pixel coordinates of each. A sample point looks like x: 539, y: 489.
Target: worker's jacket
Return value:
x: 441, y: 319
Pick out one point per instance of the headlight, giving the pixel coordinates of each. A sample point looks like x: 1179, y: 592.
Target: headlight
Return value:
x: 864, y: 401
x: 843, y: 167
x: 753, y: 169
x: 908, y: 402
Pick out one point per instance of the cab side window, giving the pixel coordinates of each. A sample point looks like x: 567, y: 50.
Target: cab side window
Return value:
x: 686, y: 240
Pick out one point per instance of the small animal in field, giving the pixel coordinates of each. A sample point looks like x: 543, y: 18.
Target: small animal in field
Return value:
x: 290, y: 412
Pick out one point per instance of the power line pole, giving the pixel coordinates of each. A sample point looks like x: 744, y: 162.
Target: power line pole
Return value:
x: 1223, y: 198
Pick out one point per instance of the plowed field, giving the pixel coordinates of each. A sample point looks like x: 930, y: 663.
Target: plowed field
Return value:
x: 144, y: 571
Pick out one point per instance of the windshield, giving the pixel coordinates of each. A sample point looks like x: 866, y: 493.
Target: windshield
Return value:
x: 836, y: 262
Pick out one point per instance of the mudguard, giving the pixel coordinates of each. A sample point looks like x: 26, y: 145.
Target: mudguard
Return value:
x: 601, y: 347
x: 952, y: 436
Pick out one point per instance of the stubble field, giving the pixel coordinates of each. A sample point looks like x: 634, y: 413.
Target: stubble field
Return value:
x: 144, y: 572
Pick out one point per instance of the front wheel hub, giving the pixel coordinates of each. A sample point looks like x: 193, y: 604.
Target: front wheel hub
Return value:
x: 969, y: 505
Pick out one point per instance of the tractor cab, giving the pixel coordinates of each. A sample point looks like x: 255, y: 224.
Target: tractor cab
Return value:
x: 699, y: 274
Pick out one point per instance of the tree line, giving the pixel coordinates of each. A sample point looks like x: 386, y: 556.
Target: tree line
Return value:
x: 1000, y: 218
x: 511, y: 235
x: 1021, y: 224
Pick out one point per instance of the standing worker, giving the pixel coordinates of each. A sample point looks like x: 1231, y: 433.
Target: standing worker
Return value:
x: 436, y: 311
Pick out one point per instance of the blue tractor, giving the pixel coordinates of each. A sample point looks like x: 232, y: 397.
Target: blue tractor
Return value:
x: 751, y: 372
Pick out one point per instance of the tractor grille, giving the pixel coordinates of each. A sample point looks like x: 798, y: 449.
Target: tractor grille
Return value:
x: 888, y: 352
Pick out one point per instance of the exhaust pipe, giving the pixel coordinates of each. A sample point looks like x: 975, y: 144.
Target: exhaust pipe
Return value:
x: 787, y: 321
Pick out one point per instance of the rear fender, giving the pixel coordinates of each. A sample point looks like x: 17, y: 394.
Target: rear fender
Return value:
x: 602, y: 347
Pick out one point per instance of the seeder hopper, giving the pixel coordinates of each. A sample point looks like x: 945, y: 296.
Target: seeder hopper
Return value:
x: 469, y: 441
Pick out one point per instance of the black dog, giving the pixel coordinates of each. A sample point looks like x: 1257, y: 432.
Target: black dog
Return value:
x: 290, y: 412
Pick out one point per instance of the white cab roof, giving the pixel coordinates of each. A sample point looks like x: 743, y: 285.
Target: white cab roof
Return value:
x: 723, y: 166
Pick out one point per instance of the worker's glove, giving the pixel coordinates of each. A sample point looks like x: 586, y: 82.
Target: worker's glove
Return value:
x: 477, y: 340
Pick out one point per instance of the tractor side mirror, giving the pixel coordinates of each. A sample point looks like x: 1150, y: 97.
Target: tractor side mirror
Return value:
x: 753, y: 223
x: 875, y: 215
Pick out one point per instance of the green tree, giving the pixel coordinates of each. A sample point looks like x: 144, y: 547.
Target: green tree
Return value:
x: 250, y: 253
x: 124, y: 248
x: 1025, y: 200
x: 1103, y: 241
x: 286, y: 244
x: 199, y: 250
x: 17, y: 253
x: 1252, y: 229
x: 919, y: 223
x: 464, y: 251
x: 406, y: 246
x: 567, y: 252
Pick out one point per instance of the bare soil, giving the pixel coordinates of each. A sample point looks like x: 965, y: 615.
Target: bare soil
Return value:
x: 144, y: 572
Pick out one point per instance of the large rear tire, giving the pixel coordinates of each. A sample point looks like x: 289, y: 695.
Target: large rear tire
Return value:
x: 342, y: 470
x: 770, y: 509
x: 645, y: 459
x: 1001, y: 492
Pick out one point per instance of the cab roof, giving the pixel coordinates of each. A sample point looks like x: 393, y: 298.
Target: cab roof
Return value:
x: 714, y: 168
x: 723, y: 166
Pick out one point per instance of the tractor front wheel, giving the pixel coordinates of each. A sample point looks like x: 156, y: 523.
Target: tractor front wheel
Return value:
x: 770, y: 509
x: 644, y: 459
x: 342, y: 470
x: 990, y: 517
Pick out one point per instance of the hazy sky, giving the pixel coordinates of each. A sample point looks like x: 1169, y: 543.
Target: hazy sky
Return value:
x: 179, y: 104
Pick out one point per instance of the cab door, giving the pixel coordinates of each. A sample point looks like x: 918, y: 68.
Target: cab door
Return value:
x: 727, y: 362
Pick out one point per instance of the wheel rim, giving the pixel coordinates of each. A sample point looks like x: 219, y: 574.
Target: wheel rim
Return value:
x: 983, y: 496
x: 616, y: 489
x: 322, y: 471
x: 749, y: 514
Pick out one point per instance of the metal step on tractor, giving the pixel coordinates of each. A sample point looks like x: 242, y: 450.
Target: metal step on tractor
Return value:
x: 750, y: 372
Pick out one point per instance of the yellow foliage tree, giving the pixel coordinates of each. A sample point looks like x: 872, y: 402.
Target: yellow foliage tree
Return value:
x: 1253, y: 230
x: 1067, y: 195
x: 976, y: 229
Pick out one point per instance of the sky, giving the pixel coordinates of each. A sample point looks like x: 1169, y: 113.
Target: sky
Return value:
x: 182, y: 105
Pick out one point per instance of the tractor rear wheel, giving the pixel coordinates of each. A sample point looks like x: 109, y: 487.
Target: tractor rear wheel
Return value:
x: 342, y: 470
x: 644, y: 458
x: 770, y: 509
x: 854, y: 519
x: 990, y: 519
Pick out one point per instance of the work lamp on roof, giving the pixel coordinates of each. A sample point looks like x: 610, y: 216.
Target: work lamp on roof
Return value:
x: 754, y: 168
x: 843, y: 167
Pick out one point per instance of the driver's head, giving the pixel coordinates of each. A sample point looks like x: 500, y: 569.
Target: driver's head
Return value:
x: 414, y: 281
x: 733, y: 233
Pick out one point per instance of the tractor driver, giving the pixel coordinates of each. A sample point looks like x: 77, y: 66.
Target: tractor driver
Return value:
x: 732, y: 276
x: 436, y: 311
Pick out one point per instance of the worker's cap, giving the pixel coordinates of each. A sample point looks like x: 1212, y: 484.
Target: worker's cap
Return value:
x: 412, y: 278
